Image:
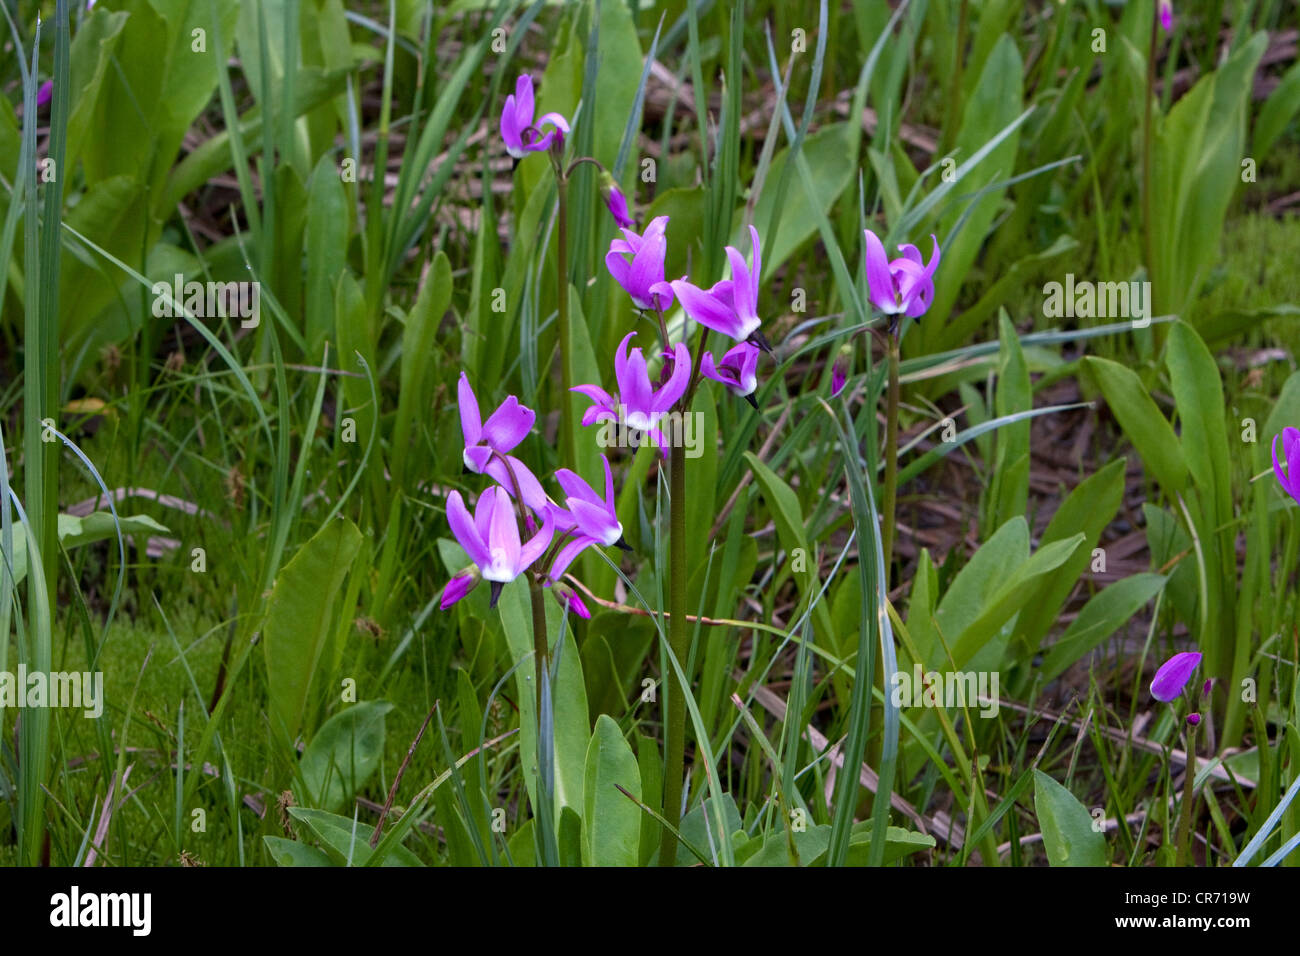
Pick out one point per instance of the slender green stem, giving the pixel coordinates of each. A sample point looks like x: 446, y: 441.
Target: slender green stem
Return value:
x: 1183, y: 838
x: 891, y: 454
x: 678, y: 639
x: 567, y: 438
x: 1147, y: 135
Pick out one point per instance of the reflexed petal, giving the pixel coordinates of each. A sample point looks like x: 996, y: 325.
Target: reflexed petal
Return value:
x: 705, y: 308
x: 756, y: 274
x: 723, y: 375
x: 620, y: 357
x: 634, y: 384
x: 566, y: 556
x: 596, y: 394
x: 657, y: 226
x: 933, y: 264
x: 880, y: 282
x: 562, y: 519
x: 1277, y: 465
x: 914, y: 285
x: 1290, y: 481
x: 471, y: 423
x: 619, y: 268
x: 593, y: 520
x: 524, y: 105
x: 647, y: 268
x: 597, y: 414
x: 609, y: 485
x: 537, y: 546
x: 508, y: 425
x: 1291, y: 443
x: 742, y: 289
x: 541, y: 143
x: 511, y: 129
x: 675, y: 387
x: 909, y: 251
x: 503, y: 531
x: 556, y: 120
x: 575, y: 487
x: 463, y: 527
x: 724, y: 292
x: 512, y: 470
x: 744, y: 359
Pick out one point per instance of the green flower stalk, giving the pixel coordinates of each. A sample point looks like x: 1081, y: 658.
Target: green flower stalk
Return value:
x: 904, y: 286
x: 1167, y: 686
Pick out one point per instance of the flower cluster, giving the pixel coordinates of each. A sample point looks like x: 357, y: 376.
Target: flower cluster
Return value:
x: 730, y: 307
x: 636, y: 261
x: 491, y: 538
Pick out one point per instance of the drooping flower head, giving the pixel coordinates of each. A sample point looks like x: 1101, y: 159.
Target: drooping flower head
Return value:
x: 491, y: 539
x: 1166, y: 8
x: 518, y: 130
x: 904, y: 286
x: 738, y: 370
x: 487, y: 444
x: 1173, y: 675
x: 1290, y: 479
x: 730, y: 307
x: 616, y: 203
x: 638, y: 404
x: 642, y: 275
x: 591, y: 518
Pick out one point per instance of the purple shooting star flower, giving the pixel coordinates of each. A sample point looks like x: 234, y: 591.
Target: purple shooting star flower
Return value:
x: 1290, y: 480
x: 737, y: 370
x: 730, y: 307
x: 44, y: 94
x: 487, y: 444
x: 638, y: 404
x: 518, y: 130
x: 491, y: 539
x: 1173, y: 675
x: 642, y: 276
x: 903, y: 286
x: 591, y: 518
